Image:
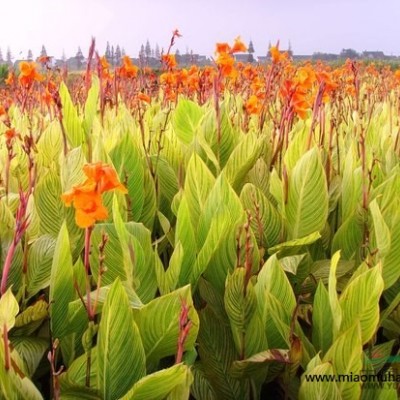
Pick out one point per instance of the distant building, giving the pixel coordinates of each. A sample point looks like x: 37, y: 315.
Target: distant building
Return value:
x: 373, y: 55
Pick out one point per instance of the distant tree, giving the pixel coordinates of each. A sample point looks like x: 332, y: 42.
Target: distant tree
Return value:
x: 118, y: 55
x: 79, y: 58
x: 123, y: 52
x: 147, y: 49
x: 29, y: 57
x: 108, y: 52
x: 112, y: 57
x: 1, y: 57
x: 43, y: 52
x: 177, y: 53
x: 157, y: 52
x: 348, y: 53
x: 142, y: 53
x: 63, y: 57
x: 9, y: 56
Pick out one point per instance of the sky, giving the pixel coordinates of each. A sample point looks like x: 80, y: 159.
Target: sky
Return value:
x: 309, y: 25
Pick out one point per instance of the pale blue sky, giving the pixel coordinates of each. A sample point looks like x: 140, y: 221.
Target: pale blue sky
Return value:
x: 310, y: 25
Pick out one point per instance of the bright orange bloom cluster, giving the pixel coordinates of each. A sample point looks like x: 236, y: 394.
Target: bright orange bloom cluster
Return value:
x: 128, y: 70
x: 169, y: 61
x: 253, y: 105
x: 28, y: 74
x: 225, y: 60
x: 86, y: 197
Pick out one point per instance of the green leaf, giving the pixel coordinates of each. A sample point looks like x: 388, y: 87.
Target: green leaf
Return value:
x: 8, y: 310
x: 217, y: 352
x: 31, y: 350
x: 307, y: 187
x: 390, y: 263
x: 61, y: 284
x: 198, y: 184
x: 186, y: 119
x: 160, y: 384
x: 348, y: 238
x: 247, y: 367
x: 91, y: 105
x: 120, y: 355
x: 273, y: 280
x: 333, y: 297
x: 158, y: 322
x: 266, y: 222
x: 128, y: 163
x: 319, y: 389
x: 240, y: 305
x: 49, y: 205
x: 360, y: 302
x: 242, y: 159
x: 382, y: 233
x: 322, y: 320
x: 295, y: 243
x: 72, y: 123
x: 40, y: 259
x: 345, y: 355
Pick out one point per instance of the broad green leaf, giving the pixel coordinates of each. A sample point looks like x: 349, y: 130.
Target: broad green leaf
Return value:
x: 158, y: 322
x: 91, y: 104
x: 382, y: 233
x: 360, y: 302
x: 390, y: 263
x: 14, y: 384
x: 198, y: 184
x: 273, y: 280
x: 321, y: 389
x: 345, y: 355
x: 61, y: 284
x: 159, y: 385
x: 348, y: 238
x: 31, y: 351
x: 120, y: 354
x: 49, y: 205
x: 242, y: 159
x: 295, y: 243
x: 307, y: 187
x: 8, y: 310
x: 266, y: 222
x: 186, y: 120
x: 322, y: 320
x: 71, y: 120
x: 217, y: 352
x: 40, y: 258
x: 336, y: 310
x: 127, y: 160
x: 240, y: 305
x: 248, y: 366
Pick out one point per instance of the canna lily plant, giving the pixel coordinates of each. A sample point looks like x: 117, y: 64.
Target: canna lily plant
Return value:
x: 237, y: 238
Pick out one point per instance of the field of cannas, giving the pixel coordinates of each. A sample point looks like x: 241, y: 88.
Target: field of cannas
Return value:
x: 224, y: 232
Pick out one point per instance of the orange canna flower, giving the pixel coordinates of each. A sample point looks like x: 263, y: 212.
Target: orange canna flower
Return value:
x: 10, y: 80
x: 252, y: 105
x: 105, y: 177
x: 238, y: 46
x: 128, y: 70
x: 86, y: 197
x: 169, y: 60
x: 276, y: 55
x: 28, y: 74
x: 87, y: 203
x: 223, y: 48
x: 225, y: 61
x: 144, y: 97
